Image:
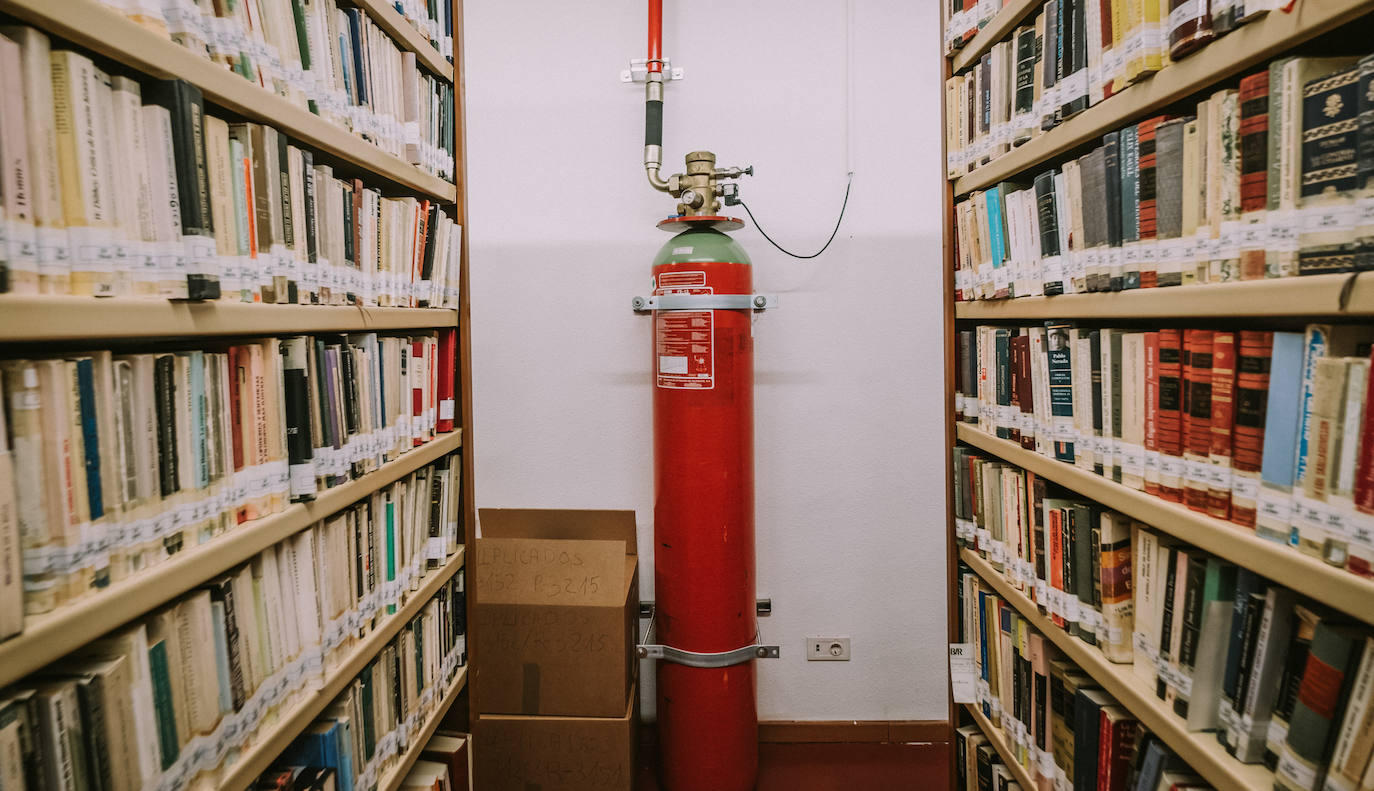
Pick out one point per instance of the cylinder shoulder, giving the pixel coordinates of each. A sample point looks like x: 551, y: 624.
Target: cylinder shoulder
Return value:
x: 701, y: 244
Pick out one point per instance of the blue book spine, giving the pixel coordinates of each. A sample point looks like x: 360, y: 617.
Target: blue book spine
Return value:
x: 983, y: 645
x: 90, y: 436
x: 995, y: 225
x: 343, y: 743
x: 1282, y: 421
x: 226, y: 699
x: 1314, y: 348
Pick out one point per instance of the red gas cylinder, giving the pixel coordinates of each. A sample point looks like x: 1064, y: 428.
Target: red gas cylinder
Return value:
x: 704, y: 509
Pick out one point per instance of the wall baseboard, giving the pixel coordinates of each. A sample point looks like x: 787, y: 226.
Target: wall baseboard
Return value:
x: 854, y: 731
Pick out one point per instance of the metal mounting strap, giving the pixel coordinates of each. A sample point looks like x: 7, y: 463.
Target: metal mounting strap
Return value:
x: 704, y: 302
x: 723, y: 659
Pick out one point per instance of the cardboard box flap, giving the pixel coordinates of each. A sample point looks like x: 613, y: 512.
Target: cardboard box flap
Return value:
x: 551, y: 572
x: 559, y: 523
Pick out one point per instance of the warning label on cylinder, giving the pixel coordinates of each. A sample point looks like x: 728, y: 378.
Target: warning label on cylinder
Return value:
x: 685, y: 350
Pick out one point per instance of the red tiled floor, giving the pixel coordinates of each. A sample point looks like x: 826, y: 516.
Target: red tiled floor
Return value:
x: 845, y: 767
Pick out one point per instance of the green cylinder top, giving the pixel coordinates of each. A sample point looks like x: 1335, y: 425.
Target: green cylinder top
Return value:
x: 701, y: 244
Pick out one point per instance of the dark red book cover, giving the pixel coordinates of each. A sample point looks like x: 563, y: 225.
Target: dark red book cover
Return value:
x: 1104, y: 14
x: 1364, y: 474
x: 235, y: 410
x: 1023, y: 387
x: 417, y: 392
x: 1116, y: 742
x: 1169, y: 422
x: 1197, y: 413
x: 1254, y: 142
x: 1014, y: 386
x: 1223, y: 412
x: 1148, y: 187
x: 1253, y: 351
x: 1152, y: 407
x: 448, y: 359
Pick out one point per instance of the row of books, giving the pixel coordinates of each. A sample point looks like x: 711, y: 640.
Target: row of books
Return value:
x: 1265, y: 429
x: 116, y: 187
x: 183, y: 691
x: 443, y: 764
x: 113, y: 463
x: 373, y: 722
x: 334, y: 61
x: 1074, y: 54
x: 1212, y: 640
x: 1060, y: 726
x: 434, y: 19
x: 1277, y: 679
x: 962, y: 19
x: 1270, y: 180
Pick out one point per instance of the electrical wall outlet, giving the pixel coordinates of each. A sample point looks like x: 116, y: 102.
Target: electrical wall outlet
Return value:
x: 827, y: 649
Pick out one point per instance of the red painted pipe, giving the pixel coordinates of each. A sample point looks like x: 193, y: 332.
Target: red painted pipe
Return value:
x: 655, y: 35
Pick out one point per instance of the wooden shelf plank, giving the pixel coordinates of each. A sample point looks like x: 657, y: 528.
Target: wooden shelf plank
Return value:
x: 1335, y: 587
x: 51, y: 636
x: 257, y: 757
x: 998, y: 28
x: 407, y: 36
x: 92, y: 25
x: 1201, y: 751
x: 1317, y: 295
x: 999, y: 742
x: 1233, y: 53
x: 391, y: 781
x: 64, y: 318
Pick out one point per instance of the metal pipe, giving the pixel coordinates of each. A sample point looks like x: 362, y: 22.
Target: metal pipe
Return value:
x: 653, y: 100
x: 655, y: 35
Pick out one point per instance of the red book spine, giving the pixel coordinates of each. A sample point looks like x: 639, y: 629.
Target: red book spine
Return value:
x: 1056, y: 564
x: 1023, y: 374
x: 1223, y: 412
x: 1197, y: 415
x: 1149, y: 212
x: 417, y: 391
x: 448, y: 359
x: 1364, y: 476
x: 1014, y: 380
x: 1254, y: 141
x: 1168, y: 425
x: 1117, y: 740
x: 235, y: 410
x: 1152, y: 412
x: 1253, y: 351
x: 1104, y: 14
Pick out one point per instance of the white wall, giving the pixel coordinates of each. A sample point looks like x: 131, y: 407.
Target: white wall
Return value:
x: 850, y: 497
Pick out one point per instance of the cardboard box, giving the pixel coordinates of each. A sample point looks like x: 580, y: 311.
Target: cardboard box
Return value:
x: 557, y: 610
x: 514, y: 753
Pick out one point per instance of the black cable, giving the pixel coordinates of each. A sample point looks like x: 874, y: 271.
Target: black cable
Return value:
x: 849, y: 183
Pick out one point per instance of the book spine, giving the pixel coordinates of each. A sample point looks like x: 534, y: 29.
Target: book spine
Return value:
x: 1223, y: 413
x: 1061, y: 390
x: 1152, y: 455
x: 1329, y: 168
x: 1169, y: 425
x: 1253, y: 353
x: 1197, y: 414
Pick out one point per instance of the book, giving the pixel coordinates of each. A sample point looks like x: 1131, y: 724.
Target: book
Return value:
x: 1329, y: 162
x: 1333, y: 656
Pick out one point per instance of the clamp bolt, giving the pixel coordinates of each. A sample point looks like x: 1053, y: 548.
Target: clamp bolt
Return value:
x: 760, y: 301
x: 638, y: 303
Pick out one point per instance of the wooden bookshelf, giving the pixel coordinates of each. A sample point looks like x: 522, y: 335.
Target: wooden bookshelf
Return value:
x: 1201, y: 751
x: 263, y: 752
x: 1316, y: 295
x: 407, y: 36
x: 391, y: 780
x: 51, y: 636
x: 1236, y: 52
x: 27, y: 319
x: 998, y: 28
x: 999, y: 742
x: 92, y: 25
x: 1285, y: 565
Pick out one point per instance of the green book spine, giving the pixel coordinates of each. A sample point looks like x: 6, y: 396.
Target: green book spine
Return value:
x: 162, y: 704
x: 1321, y: 701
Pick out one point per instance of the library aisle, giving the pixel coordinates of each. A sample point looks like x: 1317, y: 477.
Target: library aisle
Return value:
x: 896, y: 394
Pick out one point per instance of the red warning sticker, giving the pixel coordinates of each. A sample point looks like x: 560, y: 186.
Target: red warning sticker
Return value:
x: 685, y: 349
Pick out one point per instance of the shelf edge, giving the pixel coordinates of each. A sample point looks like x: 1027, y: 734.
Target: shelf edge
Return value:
x: 258, y: 756
x: 1334, y: 587
x: 54, y: 635
x: 1201, y: 751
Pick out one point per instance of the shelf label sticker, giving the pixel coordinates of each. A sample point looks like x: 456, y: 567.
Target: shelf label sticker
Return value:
x: 962, y: 674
